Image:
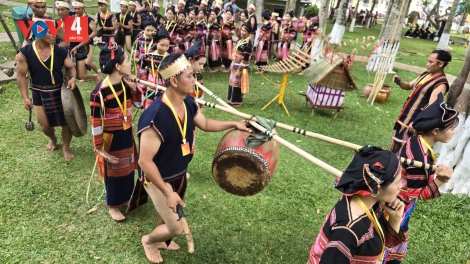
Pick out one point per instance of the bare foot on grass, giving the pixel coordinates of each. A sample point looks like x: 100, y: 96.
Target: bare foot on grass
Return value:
x: 151, y: 250
x: 116, y: 215
x: 52, y: 145
x: 172, y: 247
x: 67, y: 154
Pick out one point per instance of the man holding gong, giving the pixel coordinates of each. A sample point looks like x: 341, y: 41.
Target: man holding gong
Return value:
x: 44, y: 61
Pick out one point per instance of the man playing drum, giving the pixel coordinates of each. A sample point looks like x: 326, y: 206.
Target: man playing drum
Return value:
x: 166, y: 134
x: 424, y: 91
x: 42, y: 58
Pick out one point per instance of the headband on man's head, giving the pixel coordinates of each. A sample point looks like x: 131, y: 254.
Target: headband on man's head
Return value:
x: 442, y: 55
x: 62, y: 3
x: 110, y: 55
x: 77, y: 4
x: 174, y: 68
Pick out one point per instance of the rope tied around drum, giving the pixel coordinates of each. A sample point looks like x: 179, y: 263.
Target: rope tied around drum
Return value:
x: 258, y: 138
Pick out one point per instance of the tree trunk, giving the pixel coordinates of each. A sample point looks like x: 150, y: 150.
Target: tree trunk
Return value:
x: 338, y: 29
x: 323, y: 14
x: 462, y: 23
x: 353, y: 22
x: 435, y: 12
x: 456, y: 152
x: 374, y: 2
x: 407, y: 12
x: 338, y: 3
x: 444, y: 40
x: 290, y: 5
x: 259, y: 4
x: 457, y: 87
x: 390, y: 37
x: 389, y: 9
x: 259, y: 9
x: 297, y: 8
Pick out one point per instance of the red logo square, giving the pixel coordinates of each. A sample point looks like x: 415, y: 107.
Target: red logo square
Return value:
x: 76, y: 29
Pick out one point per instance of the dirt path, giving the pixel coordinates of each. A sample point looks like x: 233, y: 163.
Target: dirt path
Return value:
x: 411, y: 68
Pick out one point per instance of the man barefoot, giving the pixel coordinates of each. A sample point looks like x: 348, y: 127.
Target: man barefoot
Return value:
x: 44, y: 60
x: 166, y: 134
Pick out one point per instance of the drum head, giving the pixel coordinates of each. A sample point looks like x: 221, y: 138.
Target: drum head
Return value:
x: 74, y: 110
x: 240, y: 171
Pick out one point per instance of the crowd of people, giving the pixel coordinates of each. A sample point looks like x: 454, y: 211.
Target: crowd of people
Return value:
x: 171, y: 52
x: 420, y: 33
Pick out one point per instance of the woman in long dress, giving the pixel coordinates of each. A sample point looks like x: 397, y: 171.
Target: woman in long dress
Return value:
x: 113, y: 138
x: 214, y: 38
x: 264, y: 43
x: 171, y: 26
x: 289, y: 34
x: 274, y: 35
x: 228, y: 30
x: 240, y: 65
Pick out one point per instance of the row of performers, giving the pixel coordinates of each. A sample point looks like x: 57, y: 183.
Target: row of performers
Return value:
x: 215, y: 27
x: 154, y: 46
x: 184, y: 28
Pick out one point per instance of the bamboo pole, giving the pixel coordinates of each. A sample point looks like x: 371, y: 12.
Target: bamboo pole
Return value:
x: 265, y: 131
x: 281, y: 125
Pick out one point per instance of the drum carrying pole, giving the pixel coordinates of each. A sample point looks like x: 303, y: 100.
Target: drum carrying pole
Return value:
x: 284, y: 126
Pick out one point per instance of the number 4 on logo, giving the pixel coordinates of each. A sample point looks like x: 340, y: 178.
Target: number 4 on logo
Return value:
x: 76, y: 25
x: 75, y: 29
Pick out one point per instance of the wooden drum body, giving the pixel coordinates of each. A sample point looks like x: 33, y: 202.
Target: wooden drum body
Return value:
x: 243, y: 170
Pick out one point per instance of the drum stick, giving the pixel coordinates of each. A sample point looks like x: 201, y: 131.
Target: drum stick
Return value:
x: 187, y: 232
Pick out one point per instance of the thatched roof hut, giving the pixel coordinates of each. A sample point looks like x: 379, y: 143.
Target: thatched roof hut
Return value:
x: 331, y: 73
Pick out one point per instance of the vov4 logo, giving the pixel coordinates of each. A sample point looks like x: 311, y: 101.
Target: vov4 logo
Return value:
x: 75, y: 28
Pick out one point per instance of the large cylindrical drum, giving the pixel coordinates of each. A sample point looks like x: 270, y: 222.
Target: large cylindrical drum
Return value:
x: 242, y: 166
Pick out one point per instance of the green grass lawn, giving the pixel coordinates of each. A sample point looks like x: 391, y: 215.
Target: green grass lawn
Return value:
x: 43, y: 201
